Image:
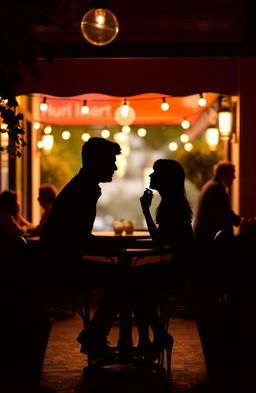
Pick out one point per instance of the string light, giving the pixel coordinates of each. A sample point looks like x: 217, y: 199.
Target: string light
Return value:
x: 125, y: 114
x: 185, y: 124
x: 44, y: 105
x: 40, y: 144
x: 66, y: 135
x: 48, y: 130
x: 48, y: 142
x: 85, y: 109
x: 124, y: 109
x: 105, y: 133
x: 37, y: 125
x: 126, y: 129
x: 119, y: 137
x: 173, y: 146
x: 164, y: 106
x: 201, y: 100
x: 184, y: 138
x: 142, y: 132
x: 188, y: 146
x: 85, y: 136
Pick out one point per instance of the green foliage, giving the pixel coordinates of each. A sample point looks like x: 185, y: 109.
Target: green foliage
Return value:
x: 158, y: 135
x: 56, y: 167
x: 198, y: 164
x: 14, y: 126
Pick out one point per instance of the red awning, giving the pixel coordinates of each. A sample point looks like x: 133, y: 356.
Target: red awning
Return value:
x: 67, y: 110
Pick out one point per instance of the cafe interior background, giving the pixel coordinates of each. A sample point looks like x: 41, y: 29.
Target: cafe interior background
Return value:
x: 173, y: 51
x: 147, y: 126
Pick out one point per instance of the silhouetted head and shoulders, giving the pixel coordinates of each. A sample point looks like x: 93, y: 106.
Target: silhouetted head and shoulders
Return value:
x: 74, y: 210
x: 173, y: 214
x: 168, y: 178
x: 223, y: 173
x: 213, y: 211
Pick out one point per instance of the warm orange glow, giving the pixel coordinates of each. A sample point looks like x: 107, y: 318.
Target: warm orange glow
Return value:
x: 67, y: 110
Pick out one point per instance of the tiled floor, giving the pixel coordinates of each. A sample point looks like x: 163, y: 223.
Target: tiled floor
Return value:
x: 63, y: 364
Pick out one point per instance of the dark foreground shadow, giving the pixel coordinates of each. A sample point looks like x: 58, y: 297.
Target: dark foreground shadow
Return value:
x: 126, y: 380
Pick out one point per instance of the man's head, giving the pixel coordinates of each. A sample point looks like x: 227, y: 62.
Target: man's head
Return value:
x: 225, y: 170
x: 99, y: 157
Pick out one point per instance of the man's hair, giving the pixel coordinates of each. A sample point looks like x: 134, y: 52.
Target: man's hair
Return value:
x: 96, y: 149
x: 222, y: 166
x: 50, y: 191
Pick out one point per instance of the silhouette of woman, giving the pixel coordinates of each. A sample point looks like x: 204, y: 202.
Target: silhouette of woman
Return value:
x: 172, y: 229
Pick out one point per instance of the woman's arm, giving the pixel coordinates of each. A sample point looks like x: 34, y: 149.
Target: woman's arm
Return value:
x: 145, y: 202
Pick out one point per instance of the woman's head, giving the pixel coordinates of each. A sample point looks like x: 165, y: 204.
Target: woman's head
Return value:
x: 8, y: 201
x: 168, y: 175
x: 47, y: 194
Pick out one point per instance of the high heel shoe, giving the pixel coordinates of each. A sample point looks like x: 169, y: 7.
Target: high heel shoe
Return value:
x: 160, y: 343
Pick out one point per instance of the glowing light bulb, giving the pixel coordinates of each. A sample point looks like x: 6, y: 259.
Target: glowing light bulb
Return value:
x: 44, y: 105
x: 119, y: 137
x: 48, y: 130
x: 99, y: 26
x: 124, y: 114
x: 126, y: 129
x: 40, y: 144
x: 85, y: 136
x: 188, y: 146
x: 124, y: 110
x: 173, y: 146
x: 201, y: 100
x: 142, y: 132
x: 184, y: 138
x: 37, y: 125
x: 185, y: 124
x: 100, y: 16
x: 105, y: 133
x: 164, y: 105
x: 66, y: 135
x: 85, y: 109
x: 48, y: 142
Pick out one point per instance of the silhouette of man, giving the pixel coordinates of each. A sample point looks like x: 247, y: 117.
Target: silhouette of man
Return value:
x: 67, y: 233
x: 213, y: 211
x: 70, y: 222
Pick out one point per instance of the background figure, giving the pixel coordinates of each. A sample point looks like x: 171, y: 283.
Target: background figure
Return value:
x: 47, y: 195
x: 67, y: 233
x: 172, y: 229
x: 213, y: 212
x: 11, y: 221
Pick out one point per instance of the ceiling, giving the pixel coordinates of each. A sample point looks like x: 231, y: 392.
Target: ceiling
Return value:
x: 164, y: 28
x: 49, y: 30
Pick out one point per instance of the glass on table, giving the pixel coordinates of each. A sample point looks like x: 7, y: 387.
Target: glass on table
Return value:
x: 129, y: 227
x: 118, y: 227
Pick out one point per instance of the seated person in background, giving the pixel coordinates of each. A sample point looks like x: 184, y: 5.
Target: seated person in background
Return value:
x: 11, y: 222
x: 213, y: 212
x: 47, y: 195
x: 172, y: 229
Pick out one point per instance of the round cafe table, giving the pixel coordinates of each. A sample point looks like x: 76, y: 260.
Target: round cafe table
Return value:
x: 127, y: 259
